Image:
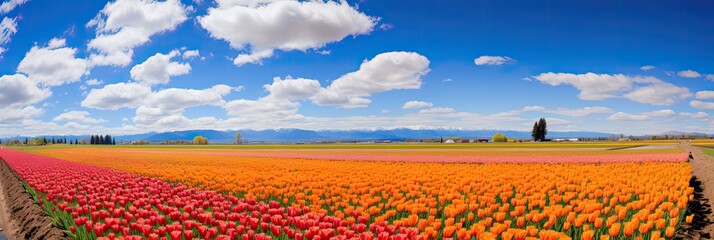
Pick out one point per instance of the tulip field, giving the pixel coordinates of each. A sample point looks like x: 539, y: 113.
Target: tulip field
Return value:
x: 325, y: 194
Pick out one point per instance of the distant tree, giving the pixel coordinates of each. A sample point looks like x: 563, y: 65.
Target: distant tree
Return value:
x: 92, y: 139
x: 64, y: 140
x: 499, y: 137
x: 238, y: 138
x: 107, y: 139
x: 540, y: 129
x: 114, y: 141
x: 200, y: 140
x: 0, y: 141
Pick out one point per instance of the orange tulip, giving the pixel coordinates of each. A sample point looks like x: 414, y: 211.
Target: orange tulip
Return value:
x: 614, y: 230
x: 669, y: 232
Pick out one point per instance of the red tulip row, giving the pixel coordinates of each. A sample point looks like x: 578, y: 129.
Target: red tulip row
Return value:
x: 105, y: 204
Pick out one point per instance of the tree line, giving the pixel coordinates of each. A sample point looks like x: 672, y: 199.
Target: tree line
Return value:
x: 102, y: 140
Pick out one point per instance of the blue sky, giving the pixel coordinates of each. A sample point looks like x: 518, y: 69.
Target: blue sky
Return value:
x: 131, y: 66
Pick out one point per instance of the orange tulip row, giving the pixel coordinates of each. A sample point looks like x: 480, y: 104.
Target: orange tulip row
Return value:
x: 510, y: 201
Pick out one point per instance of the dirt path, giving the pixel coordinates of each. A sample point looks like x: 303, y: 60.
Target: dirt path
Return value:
x: 20, y: 217
x: 703, y: 182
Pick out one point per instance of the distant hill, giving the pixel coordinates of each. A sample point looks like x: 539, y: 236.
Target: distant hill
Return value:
x: 300, y: 135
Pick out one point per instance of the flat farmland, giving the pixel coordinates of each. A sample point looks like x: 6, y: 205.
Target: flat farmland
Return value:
x: 401, y: 191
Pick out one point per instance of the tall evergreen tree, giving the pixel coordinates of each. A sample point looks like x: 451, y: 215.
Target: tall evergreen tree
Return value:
x: 543, y: 129
x: 91, y: 139
x: 107, y: 139
x: 114, y: 141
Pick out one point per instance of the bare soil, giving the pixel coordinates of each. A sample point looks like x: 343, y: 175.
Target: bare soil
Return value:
x: 20, y: 217
x: 702, y: 226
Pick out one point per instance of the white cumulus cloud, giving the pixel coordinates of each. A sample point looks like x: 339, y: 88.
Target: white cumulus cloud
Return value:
x: 53, y: 65
x: 704, y: 95
x: 493, y: 60
x: 116, y: 96
x: 385, y: 72
x: 158, y: 69
x: 416, y: 105
x: 77, y: 116
x: 657, y: 92
x: 260, y: 27
x: 293, y: 89
x: 647, y: 67
x: 18, y: 91
x: 123, y: 25
x: 689, y: 74
x: 18, y: 115
x: 592, y: 86
x: 622, y: 116
x: 190, y: 54
x: 702, y: 105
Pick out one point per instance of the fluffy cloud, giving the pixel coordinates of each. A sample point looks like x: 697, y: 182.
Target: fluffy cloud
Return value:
x: 17, y: 115
x: 116, y: 96
x: 169, y: 104
x: 704, y: 95
x: 702, y: 105
x: 697, y: 115
x: 647, y: 67
x: 125, y: 24
x: 93, y: 82
x: 592, y: 86
x: 621, y: 116
x: 285, y: 25
x: 578, y: 112
x: 190, y: 54
x: 658, y: 92
x: 77, y: 116
x: 8, y: 6
x: 416, y: 105
x: 492, y: 60
x: 263, y: 109
x: 18, y: 91
x: 688, y: 74
x: 53, y: 65
x: 158, y: 69
x: 293, y: 89
x: 385, y: 72
x: 8, y: 27
x: 709, y: 76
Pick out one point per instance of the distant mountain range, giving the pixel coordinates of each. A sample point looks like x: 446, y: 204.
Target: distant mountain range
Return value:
x: 300, y: 135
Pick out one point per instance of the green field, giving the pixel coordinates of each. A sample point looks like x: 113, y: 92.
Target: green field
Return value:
x: 708, y: 151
